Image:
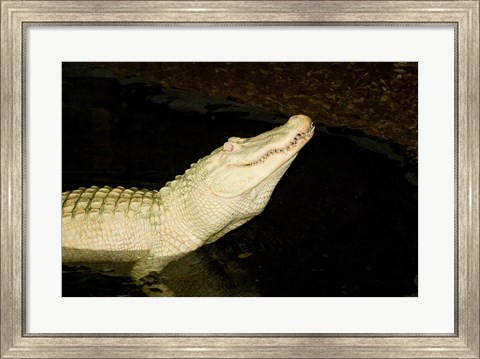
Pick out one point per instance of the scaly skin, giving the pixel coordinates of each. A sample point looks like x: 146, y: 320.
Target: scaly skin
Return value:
x: 216, y: 195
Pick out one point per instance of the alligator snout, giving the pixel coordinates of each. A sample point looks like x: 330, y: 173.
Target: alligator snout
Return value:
x: 300, y: 121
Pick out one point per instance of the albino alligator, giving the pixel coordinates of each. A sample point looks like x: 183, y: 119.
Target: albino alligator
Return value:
x: 153, y: 228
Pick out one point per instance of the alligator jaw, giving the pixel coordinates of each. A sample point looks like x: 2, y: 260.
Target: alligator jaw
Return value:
x: 294, y: 145
x: 243, y: 163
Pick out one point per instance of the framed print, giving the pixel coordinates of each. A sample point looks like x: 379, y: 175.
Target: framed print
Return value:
x: 239, y: 265
x: 240, y: 179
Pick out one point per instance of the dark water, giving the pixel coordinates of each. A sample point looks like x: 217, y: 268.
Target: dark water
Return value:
x: 341, y: 222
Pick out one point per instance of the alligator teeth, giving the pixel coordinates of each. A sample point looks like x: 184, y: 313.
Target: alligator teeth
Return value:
x: 300, y: 136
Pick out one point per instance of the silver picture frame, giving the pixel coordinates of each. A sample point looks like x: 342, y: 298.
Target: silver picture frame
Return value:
x: 17, y: 343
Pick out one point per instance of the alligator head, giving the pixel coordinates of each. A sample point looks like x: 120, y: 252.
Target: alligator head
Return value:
x: 244, y: 164
x: 234, y: 183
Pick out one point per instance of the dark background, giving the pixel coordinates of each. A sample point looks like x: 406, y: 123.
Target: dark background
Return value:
x: 342, y: 221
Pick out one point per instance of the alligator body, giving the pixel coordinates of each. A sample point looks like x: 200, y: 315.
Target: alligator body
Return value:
x: 153, y: 228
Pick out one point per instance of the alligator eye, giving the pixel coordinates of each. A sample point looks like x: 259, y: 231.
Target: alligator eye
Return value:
x: 228, y: 147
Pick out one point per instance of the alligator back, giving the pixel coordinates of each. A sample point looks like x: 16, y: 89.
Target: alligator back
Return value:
x: 106, y: 200
x: 117, y: 223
